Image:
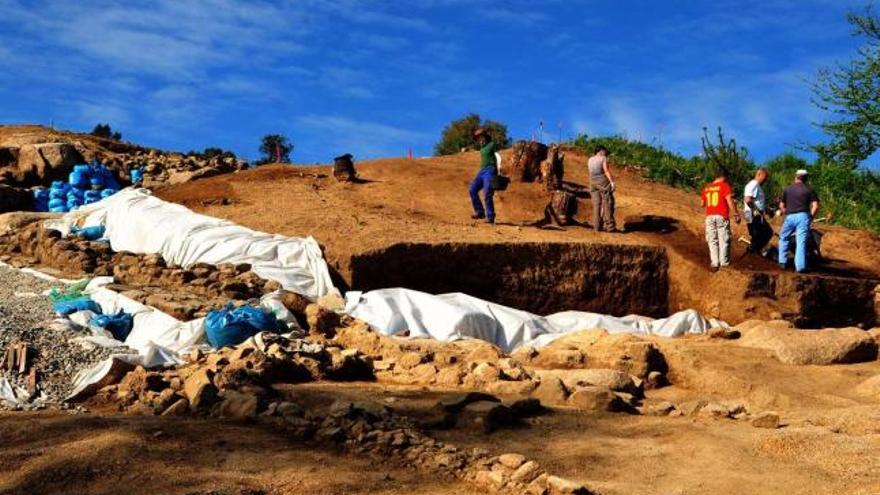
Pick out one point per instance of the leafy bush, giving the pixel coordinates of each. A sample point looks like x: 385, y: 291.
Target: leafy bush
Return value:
x: 656, y: 163
x: 104, y: 131
x: 459, y: 134
x: 212, y: 152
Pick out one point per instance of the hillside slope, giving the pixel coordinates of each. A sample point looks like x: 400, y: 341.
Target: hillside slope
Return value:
x: 425, y: 201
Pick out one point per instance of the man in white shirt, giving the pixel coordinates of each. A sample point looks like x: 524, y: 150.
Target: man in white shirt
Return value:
x: 755, y: 210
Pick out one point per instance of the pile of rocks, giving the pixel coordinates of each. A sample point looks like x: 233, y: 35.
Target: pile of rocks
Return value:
x: 471, y: 364
x: 477, y: 365
x: 171, y: 168
x: 234, y: 383
x: 595, y: 389
x: 372, y: 429
x: 630, y: 354
x: 32, y: 164
x: 182, y: 293
x: 32, y: 245
x: 192, y: 292
x: 707, y: 409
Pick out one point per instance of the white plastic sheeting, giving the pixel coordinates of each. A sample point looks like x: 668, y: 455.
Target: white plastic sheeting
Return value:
x: 136, y: 221
x: 158, y: 338
x: 450, y: 317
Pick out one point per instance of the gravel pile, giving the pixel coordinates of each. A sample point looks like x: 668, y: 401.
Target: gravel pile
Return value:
x: 27, y: 317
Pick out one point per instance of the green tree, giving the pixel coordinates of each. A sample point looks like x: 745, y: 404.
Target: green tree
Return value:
x: 275, y: 148
x: 781, y: 169
x: 104, y: 131
x: 851, y: 92
x: 459, y: 134
x: 728, y: 155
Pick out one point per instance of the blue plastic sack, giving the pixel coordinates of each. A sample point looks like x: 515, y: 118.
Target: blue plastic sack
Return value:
x: 41, y: 193
x: 119, y: 324
x: 55, y: 203
x: 104, y: 175
x: 65, y: 308
x: 106, y: 193
x: 58, y: 209
x: 58, y: 194
x: 88, y: 233
x: 81, y: 168
x: 75, y: 193
x: 137, y: 176
x: 230, y: 327
x: 79, y: 179
x: 91, y: 197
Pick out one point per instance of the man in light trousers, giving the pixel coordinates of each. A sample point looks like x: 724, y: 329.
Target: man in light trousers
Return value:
x: 717, y: 199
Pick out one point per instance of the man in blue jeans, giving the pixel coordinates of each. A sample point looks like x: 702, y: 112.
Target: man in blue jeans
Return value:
x: 485, y: 177
x: 799, y: 205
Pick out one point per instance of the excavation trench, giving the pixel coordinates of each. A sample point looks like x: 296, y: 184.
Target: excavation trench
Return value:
x: 613, y: 279
x: 541, y: 278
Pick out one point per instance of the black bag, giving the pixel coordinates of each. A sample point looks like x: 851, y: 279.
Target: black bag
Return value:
x: 500, y: 182
x: 343, y: 168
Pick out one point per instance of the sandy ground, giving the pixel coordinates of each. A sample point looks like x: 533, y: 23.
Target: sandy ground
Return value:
x: 58, y: 453
x: 829, y: 441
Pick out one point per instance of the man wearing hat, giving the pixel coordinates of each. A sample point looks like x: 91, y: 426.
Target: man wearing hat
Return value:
x: 799, y: 205
x: 485, y: 176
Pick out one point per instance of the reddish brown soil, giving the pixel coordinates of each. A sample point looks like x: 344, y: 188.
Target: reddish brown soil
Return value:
x: 57, y: 453
x: 426, y: 201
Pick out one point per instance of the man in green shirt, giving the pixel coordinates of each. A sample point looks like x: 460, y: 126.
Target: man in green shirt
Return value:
x: 485, y: 177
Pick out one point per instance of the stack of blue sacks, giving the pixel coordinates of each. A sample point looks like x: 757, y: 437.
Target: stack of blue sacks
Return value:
x: 87, y: 184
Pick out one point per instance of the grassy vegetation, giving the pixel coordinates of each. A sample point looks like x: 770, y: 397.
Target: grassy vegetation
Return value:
x: 852, y: 197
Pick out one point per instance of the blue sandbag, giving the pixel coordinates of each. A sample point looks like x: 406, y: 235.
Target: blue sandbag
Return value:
x: 58, y: 209
x: 79, y: 179
x: 105, y: 175
x: 55, y: 203
x: 107, y: 193
x: 58, y: 194
x: 92, y: 198
x: 67, y: 307
x: 75, y: 193
x: 88, y: 233
x: 137, y: 176
x: 82, y: 168
x: 119, y: 324
x: 230, y: 327
x: 41, y: 193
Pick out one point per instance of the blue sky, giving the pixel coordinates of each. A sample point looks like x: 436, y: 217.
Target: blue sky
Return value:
x: 375, y: 78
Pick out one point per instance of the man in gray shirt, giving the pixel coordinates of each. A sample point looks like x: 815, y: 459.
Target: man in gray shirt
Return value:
x: 601, y: 191
x: 799, y: 205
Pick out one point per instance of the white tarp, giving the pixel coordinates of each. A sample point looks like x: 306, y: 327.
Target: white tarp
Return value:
x: 136, y: 221
x: 158, y: 338
x: 449, y: 317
